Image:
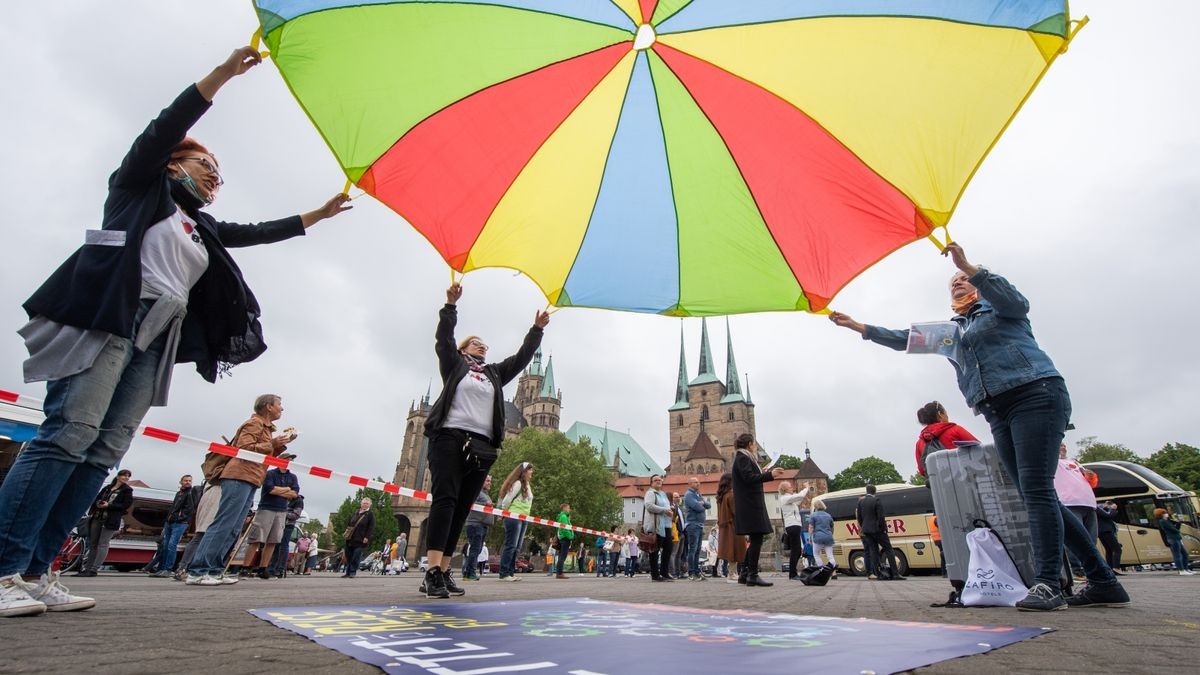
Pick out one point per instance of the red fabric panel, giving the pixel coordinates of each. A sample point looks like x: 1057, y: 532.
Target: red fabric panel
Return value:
x: 830, y: 214
x: 446, y: 175
x: 648, y: 7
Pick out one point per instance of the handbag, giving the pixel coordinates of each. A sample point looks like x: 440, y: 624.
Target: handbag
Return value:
x: 817, y: 575
x: 478, y: 455
x: 992, y: 576
x: 647, y: 541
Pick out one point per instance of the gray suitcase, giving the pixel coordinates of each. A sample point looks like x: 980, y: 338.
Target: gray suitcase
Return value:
x: 968, y: 484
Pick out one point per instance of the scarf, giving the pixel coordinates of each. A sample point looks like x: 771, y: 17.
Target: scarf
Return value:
x: 963, y: 305
x: 474, y: 363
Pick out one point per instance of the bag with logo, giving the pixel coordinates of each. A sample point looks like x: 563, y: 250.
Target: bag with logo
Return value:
x: 992, y: 578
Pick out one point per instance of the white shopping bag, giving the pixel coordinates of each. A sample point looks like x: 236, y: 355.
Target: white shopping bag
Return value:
x: 992, y: 578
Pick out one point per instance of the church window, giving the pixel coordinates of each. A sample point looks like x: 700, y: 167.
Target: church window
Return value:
x: 680, y: 420
x: 730, y: 415
x: 704, y: 413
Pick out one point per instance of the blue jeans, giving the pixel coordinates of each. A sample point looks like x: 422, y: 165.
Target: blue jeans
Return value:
x: 514, y: 534
x: 630, y: 565
x: 562, y: 555
x: 1028, y: 424
x: 475, y: 535
x: 171, y: 534
x: 91, y: 418
x: 694, y: 532
x: 1178, y: 554
x: 222, y: 534
x: 354, y: 556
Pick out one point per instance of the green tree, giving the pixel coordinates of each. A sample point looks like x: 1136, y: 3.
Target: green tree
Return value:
x: 1091, y: 450
x: 866, y: 471
x: 563, y: 471
x: 789, y: 462
x: 916, y: 479
x: 381, y: 505
x: 313, y: 526
x: 1179, y: 463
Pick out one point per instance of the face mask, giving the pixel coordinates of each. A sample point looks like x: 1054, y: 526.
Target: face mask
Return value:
x: 190, y: 185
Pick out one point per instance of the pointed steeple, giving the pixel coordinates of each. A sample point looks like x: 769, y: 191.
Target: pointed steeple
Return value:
x: 733, y: 382
x: 548, y: 390
x: 428, y: 392
x: 748, y: 401
x: 535, y: 366
x: 681, y: 394
x: 707, y: 372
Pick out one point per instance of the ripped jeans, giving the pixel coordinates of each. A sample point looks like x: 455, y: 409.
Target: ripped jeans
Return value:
x: 91, y: 418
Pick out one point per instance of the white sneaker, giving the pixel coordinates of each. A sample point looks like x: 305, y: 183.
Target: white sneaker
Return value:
x: 194, y: 579
x: 57, y: 597
x: 227, y: 579
x: 1187, y: 573
x: 16, y: 597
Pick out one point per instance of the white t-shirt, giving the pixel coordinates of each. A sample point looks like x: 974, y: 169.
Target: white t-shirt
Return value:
x: 173, y: 257
x: 473, y: 406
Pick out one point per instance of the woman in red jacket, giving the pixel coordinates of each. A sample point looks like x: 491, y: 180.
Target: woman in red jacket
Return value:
x: 939, y: 432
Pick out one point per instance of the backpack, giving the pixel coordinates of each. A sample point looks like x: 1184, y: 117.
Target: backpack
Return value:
x: 932, y: 444
x: 303, y: 544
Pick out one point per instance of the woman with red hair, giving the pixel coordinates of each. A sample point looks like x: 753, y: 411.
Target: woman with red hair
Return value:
x: 155, y: 286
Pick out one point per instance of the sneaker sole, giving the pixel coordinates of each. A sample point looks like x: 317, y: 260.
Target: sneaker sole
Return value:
x: 77, y: 606
x: 1048, y: 609
x: 1115, y: 605
x: 28, y: 610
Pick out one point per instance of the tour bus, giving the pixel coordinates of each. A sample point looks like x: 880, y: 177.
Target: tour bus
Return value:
x: 909, y: 512
x: 1137, y: 491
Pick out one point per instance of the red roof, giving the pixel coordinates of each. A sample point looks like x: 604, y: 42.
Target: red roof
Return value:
x: 636, y: 486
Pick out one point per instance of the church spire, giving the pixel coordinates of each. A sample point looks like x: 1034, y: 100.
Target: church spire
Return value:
x: 733, y: 383
x: 535, y: 366
x: 548, y: 390
x: 681, y: 386
x: 748, y: 401
x: 707, y: 372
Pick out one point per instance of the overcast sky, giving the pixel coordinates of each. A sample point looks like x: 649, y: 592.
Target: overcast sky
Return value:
x: 1089, y: 204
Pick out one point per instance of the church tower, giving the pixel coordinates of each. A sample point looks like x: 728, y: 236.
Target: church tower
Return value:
x: 413, y: 471
x: 544, y: 411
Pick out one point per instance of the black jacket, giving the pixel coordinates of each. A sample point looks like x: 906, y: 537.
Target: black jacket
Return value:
x: 749, y: 506
x: 183, y: 507
x: 869, y: 514
x: 1106, y: 523
x: 454, y: 368
x: 99, y: 286
x: 360, y: 527
x: 119, y: 500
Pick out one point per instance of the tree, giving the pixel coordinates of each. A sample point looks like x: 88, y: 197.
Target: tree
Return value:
x: 563, y: 471
x: 866, y: 471
x: 1178, y: 463
x: 916, y: 479
x: 1091, y: 450
x: 789, y: 462
x: 313, y: 526
x: 381, y: 505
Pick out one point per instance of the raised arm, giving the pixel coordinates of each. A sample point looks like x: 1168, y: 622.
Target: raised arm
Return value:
x: 896, y: 339
x: 1004, y: 297
x: 443, y: 346
x: 513, y: 365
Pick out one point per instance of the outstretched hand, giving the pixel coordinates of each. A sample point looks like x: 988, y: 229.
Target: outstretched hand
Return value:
x: 845, y: 321
x: 959, y: 257
x: 241, y: 60
x: 541, y: 319
x: 336, y: 204
x: 453, y: 293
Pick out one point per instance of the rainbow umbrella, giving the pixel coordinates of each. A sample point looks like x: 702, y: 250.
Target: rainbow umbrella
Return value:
x: 671, y: 156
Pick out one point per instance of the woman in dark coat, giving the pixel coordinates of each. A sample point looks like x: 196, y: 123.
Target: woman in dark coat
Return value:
x: 465, y: 428
x: 730, y: 547
x: 358, y: 536
x: 104, y: 519
x: 155, y: 286
x: 750, y: 506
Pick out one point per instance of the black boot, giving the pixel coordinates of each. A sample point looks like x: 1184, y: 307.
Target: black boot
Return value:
x: 752, y: 579
x: 452, y: 587
x: 742, y: 575
x: 435, y: 584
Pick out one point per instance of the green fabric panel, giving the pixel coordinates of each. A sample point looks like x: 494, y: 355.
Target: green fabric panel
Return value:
x: 1052, y: 25
x: 728, y: 261
x: 666, y: 9
x: 366, y: 75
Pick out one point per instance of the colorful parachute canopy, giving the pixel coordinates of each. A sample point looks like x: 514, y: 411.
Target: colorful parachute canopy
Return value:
x: 672, y: 156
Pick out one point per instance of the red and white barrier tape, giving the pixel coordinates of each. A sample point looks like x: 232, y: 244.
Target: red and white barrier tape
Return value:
x: 319, y: 472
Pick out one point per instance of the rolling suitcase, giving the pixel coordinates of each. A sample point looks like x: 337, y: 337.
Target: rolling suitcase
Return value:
x: 968, y: 484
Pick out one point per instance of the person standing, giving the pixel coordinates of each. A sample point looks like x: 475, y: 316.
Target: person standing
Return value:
x: 631, y: 553
x: 937, y: 433
x: 1168, y: 529
x: 565, y: 538
x: 750, y: 517
x: 581, y: 558
x: 104, y: 519
x: 872, y: 523
x: 516, y: 497
x: 280, y: 559
x: 358, y: 536
x: 465, y: 427
x: 107, y: 327
x: 402, y: 549
x: 657, y: 519
x: 789, y: 504
x: 477, y: 526
x: 730, y: 547
x: 1005, y: 376
x: 614, y: 548
x: 183, y: 507
x: 678, y: 543
x: 820, y: 529
x: 695, y: 509
x: 1075, y: 492
x: 303, y: 546
x: 1106, y: 516
x: 279, y: 487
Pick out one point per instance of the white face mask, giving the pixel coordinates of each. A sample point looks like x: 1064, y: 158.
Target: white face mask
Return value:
x: 190, y: 185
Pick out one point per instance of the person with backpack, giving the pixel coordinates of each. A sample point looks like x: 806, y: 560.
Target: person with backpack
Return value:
x: 938, y: 433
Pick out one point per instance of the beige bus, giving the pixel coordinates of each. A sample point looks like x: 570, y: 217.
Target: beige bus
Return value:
x: 909, y: 512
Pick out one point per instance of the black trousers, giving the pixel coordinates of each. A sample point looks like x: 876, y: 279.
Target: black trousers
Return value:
x: 453, y: 486
x: 876, y: 541
x: 660, y: 560
x: 753, y: 551
x: 796, y: 542
x: 1112, y: 549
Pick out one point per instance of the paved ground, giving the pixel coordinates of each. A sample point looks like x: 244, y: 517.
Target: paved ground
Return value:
x: 144, y: 625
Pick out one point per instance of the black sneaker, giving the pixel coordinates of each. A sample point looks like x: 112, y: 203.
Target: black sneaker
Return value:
x: 434, y: 585
x: 1042, y: 598
x: 1091, y: 595
x: 452, y: 587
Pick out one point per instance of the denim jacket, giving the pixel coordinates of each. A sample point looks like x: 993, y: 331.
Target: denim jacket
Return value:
x: 695, y: 507
x: 997, y: 349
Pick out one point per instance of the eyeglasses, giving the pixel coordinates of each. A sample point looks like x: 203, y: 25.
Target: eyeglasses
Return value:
x: 477, y: 343
x: 208, y: 168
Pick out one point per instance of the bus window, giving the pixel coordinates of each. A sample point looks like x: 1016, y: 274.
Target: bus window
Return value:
x: 1115, y: 482
x: 906, y: 502
x: 1139, y: 512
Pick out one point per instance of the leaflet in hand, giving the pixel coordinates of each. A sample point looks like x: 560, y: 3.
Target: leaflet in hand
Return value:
x: 937, y: 337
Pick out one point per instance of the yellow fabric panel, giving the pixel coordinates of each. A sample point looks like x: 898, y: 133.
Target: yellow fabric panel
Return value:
x: 920, y: 101
x: 539, y: 224
x: 631, y: 8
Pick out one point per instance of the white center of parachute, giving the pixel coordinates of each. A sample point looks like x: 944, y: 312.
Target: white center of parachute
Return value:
x: 645, y: 37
